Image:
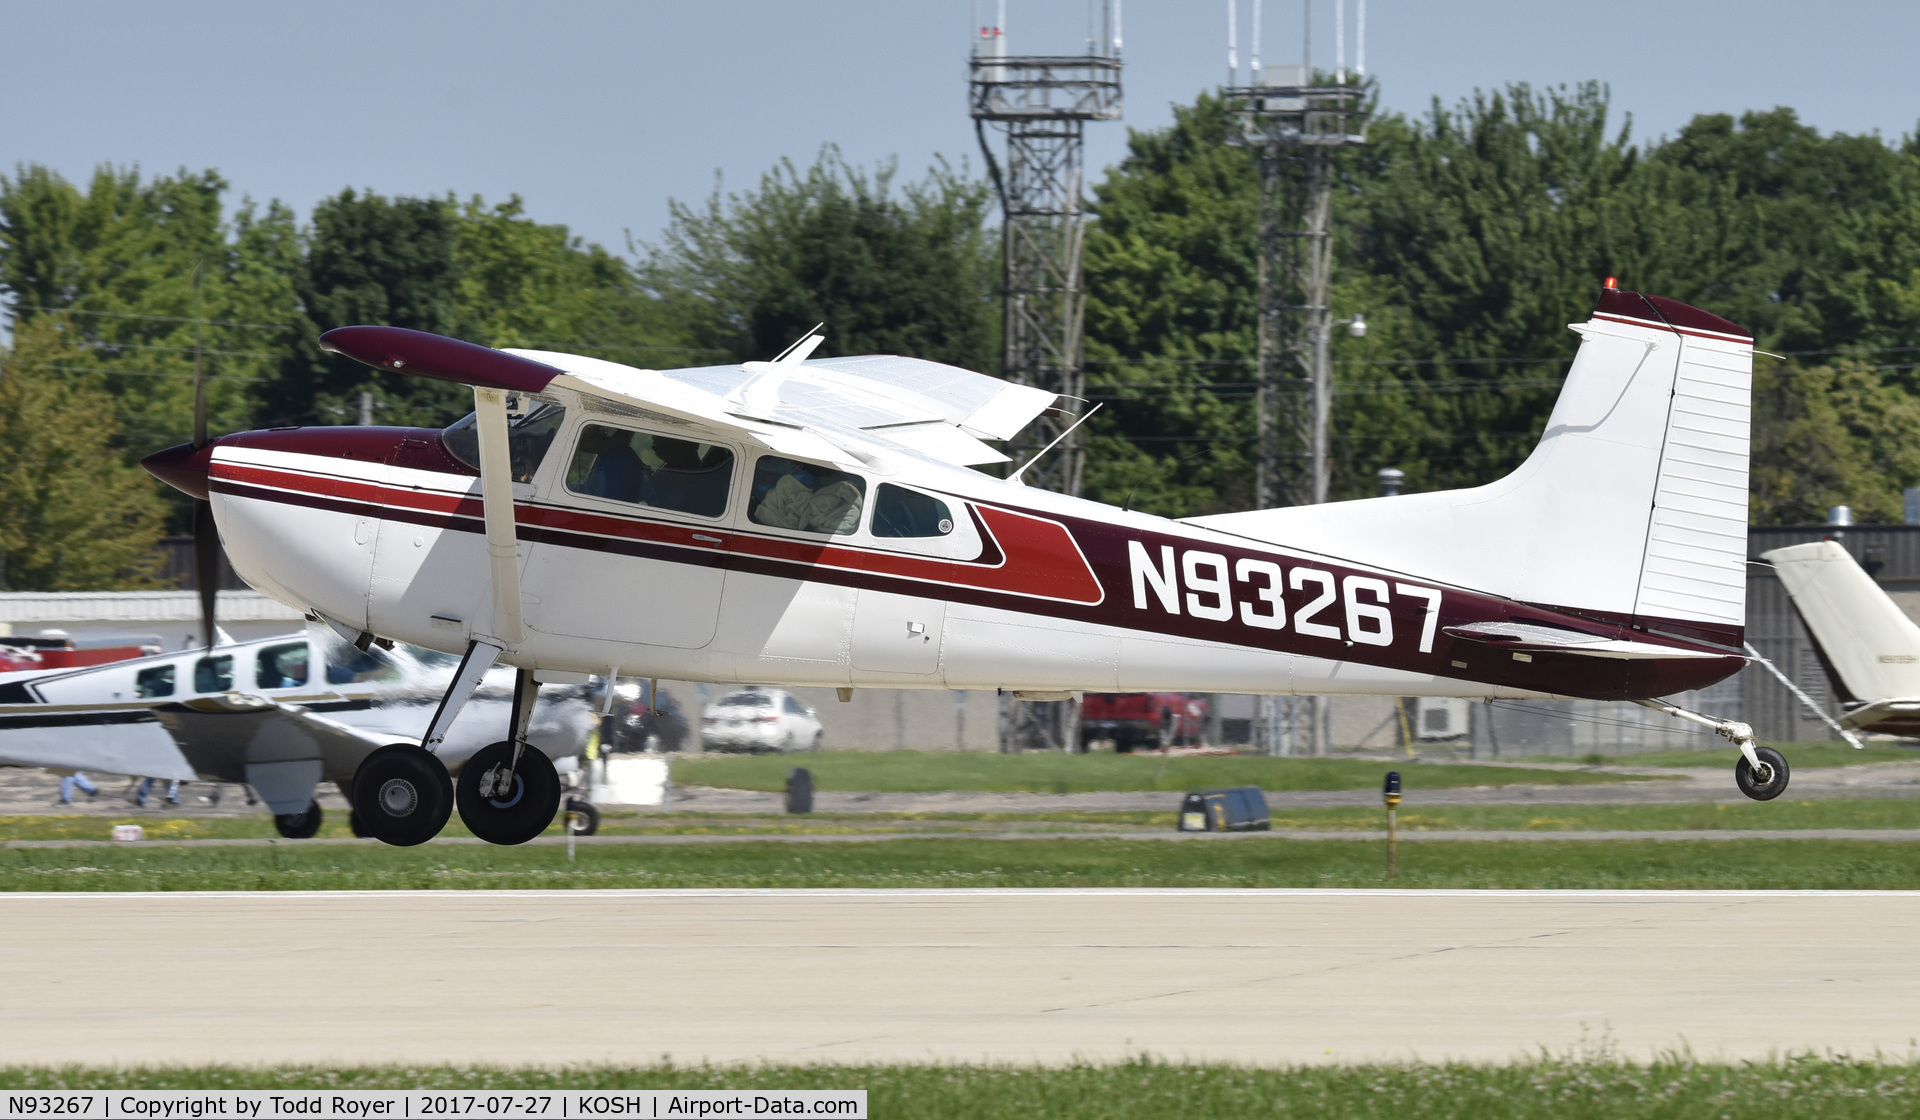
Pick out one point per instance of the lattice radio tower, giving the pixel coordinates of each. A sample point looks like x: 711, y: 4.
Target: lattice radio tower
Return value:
x: 1043, y: 103
x: 1294, y: 120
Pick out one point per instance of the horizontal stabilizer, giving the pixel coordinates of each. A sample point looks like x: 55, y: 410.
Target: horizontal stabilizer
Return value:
x: 1524, y: 637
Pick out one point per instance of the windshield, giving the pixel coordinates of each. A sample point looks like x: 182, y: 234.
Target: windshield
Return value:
x: 528, y: 437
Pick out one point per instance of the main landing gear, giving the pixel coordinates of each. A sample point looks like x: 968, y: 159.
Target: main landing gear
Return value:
x: 507, y: 793
x: 1761, y: 773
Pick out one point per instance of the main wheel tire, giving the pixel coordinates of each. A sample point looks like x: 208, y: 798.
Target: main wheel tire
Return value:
x: 582, y: 818
x: 354, y: 825
x: 402, y: 795
x: 299, y: 826
x: 1769, y: 784
x: 527, y: 809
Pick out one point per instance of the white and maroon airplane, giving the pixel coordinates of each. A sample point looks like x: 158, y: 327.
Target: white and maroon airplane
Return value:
x: 817, y: 522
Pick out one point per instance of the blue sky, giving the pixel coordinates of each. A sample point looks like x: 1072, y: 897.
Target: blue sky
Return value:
x: 599, y: 112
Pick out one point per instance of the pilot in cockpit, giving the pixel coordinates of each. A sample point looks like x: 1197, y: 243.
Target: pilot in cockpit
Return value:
x: 617, y: 472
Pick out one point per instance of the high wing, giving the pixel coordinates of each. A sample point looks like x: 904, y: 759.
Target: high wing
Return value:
x: 823, y: 408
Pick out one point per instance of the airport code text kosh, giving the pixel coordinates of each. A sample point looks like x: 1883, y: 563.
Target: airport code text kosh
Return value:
x: 378, y: 1104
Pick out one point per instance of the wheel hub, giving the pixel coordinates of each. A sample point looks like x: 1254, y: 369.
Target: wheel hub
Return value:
x: 398, y: 797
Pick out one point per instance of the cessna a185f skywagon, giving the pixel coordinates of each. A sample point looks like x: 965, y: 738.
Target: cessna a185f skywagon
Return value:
x: 816, y: 522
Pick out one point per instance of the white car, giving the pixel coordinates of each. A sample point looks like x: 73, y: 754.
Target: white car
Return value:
x: 759, y: 719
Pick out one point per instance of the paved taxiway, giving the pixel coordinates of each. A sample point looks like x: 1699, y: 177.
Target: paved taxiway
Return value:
x: 914, y: 975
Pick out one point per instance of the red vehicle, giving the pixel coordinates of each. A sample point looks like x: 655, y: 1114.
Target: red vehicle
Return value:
x: 61, y: 653
x: 1143, y: 720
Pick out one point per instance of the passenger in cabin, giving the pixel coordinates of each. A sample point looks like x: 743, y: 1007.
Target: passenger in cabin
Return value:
x: 650, y: 470
x: 790, y: 494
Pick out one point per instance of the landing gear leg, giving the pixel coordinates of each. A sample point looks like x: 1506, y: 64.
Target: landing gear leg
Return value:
x: 508, y: 794
x: 1761, y: 773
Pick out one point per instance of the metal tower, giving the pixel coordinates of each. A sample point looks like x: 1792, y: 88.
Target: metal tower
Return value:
x: 1043, y: 103
x: 1294, y: 120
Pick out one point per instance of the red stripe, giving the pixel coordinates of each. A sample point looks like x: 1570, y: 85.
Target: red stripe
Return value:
x: 1040, y: 556
x: 1631, y: 322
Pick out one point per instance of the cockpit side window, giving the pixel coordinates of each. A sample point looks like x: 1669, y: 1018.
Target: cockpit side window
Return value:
x: 529, y: 434
x: 649, y: 470
x: 790, y: 494
x: 900, y: 512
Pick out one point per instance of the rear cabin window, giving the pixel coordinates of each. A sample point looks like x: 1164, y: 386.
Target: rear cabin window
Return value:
x: 529, y: 434
x: 790, y: 494
x: 282, y: 666
x: 213, y: 674
x: 899, y: 512
x: 157, y: 681
x: 648, y: 470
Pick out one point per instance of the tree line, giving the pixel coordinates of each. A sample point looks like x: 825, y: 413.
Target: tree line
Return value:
x: 1468, y: 237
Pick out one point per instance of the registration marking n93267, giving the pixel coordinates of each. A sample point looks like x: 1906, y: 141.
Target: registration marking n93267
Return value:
x: 1207, y: 585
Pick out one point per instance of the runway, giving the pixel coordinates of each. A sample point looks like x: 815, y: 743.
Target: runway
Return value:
x: 1266, y: 977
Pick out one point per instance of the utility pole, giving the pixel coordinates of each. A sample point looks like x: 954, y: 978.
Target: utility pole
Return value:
x: 1043, y: 103
x: 1294, y: 120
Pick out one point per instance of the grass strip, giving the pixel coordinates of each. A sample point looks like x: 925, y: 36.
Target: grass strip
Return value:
x: 1054, y: 772
x: 1890, y: 813
x: 1591, y: 1089
x: 1255, y: 861
x: 1799, y: 756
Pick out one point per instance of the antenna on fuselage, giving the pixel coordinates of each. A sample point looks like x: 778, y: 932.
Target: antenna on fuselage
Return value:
x: 1084, y: 417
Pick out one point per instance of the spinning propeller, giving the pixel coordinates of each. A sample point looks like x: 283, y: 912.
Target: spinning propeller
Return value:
x: 206, y: 535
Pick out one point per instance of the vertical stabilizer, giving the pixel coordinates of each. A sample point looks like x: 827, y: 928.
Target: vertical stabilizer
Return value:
x: 1869, y: 642
x: 1632, y: 508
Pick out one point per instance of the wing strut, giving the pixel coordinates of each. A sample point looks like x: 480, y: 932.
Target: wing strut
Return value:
x: 496, y: 499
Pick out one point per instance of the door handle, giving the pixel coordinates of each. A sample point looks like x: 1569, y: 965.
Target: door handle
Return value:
x: 705, y: 537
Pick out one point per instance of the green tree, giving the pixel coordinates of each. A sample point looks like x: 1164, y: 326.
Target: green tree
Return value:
x: 147, y: 273
x: 73, y: 514
x: 912, y: 272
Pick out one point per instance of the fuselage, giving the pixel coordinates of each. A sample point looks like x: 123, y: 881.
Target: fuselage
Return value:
x: 1006, y: 587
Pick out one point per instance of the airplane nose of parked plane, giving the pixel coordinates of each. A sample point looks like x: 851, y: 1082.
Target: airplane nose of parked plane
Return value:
x: 183, y: 467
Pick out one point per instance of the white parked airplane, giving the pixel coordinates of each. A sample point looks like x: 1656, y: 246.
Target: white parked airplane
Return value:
x: 1867, y: 644
x: 280, y: 714
x: 801, y: 522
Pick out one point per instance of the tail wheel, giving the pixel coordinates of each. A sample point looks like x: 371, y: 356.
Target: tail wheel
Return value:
x: 1766, y: 783
x: 402, y: 795
x: 518, y: 813
x: 299, y: 826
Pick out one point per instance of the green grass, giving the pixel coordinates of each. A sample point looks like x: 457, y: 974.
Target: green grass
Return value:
x: 1589, y: 1089
x: 1836, y: 813
x: 1257, y: 861
x: 1050, y: 772
x: 1900, y: 813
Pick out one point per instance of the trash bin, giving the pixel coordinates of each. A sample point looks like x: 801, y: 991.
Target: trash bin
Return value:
x: 799, y: 790
x: 1240, y: 809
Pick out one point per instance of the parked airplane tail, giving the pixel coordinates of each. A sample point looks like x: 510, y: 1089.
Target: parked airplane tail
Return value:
x: 1632, y: 509
x: 1870, y: 647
